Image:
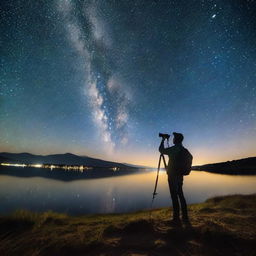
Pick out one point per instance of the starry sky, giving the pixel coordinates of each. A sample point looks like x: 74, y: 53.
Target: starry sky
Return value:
x: 102, y: 78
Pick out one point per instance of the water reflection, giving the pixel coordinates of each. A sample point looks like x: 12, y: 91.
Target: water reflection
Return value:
x: 112, y: 194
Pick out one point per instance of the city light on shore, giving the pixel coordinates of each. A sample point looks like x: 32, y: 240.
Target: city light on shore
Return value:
x: 80, y: 168
x: 15, y: 165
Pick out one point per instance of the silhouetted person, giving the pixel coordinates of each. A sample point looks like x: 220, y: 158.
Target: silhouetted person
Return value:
x: 175, y: 178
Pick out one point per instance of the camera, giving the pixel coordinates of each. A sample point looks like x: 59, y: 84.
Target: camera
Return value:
x: 164, y: 136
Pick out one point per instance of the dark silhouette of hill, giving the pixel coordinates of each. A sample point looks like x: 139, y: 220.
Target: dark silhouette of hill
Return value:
x: 64, y: 175
x: 4, y: 159
x: 100, y: 167
x: 242, y: 166
x: 59, y: 159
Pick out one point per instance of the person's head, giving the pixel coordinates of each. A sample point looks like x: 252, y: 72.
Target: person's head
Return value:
x: 178, y: 138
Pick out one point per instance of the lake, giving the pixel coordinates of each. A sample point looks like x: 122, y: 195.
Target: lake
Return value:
x: 113, y: 194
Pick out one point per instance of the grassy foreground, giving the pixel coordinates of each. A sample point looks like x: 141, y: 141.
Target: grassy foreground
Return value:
x: 220, y: 226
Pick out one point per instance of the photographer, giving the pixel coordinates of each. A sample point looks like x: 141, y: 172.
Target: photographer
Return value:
x: 175, y: 176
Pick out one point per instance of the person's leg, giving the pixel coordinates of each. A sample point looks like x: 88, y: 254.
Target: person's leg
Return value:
x: 174, y: 195
x: 182, y: 200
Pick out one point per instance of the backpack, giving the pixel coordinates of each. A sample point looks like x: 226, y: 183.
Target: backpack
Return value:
x: 184, y: 161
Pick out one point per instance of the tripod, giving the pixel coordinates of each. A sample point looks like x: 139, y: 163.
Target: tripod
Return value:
x: 158, y: 169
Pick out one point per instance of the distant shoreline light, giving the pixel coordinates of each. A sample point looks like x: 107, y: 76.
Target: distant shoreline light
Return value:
x: 80, y: 168
x: 15, y: 165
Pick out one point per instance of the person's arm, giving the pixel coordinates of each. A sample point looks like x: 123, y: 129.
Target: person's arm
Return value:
x: 163, y: 150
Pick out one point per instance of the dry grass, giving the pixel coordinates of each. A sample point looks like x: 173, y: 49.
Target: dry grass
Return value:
x: 220, y: 226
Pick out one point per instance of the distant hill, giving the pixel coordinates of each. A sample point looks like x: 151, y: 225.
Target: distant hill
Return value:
x: 241, y: 166
x: 5, y: 160
x: 58, y: 159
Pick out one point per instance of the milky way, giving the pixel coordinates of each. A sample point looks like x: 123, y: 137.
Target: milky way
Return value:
x: 108, y: 98
x: 102, y: 78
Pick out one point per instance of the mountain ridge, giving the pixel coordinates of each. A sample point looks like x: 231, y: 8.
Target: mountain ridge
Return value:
x: 239, y: 166
x: 61, y: 159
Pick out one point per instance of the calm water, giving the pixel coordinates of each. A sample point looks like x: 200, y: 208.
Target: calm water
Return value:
x: 112, y: 194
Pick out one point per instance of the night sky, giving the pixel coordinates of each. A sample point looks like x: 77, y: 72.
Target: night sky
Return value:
x: 102, y: 78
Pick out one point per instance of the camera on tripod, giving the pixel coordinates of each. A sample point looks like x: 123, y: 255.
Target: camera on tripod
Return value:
x: 164, y: 136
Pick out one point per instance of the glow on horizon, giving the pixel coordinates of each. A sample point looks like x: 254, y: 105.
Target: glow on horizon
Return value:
x: 200, y: 157
x: 216, y: 149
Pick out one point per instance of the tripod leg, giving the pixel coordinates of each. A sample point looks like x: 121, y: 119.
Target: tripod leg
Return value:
x: 158, y: 168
